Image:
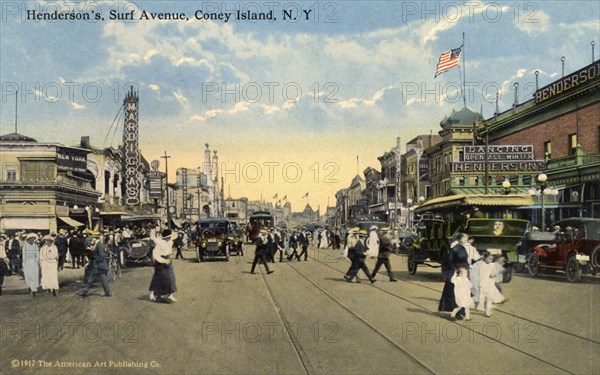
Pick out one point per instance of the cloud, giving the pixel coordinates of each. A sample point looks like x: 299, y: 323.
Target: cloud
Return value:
x: 534, y: 23
x: 181, y: 99
x: 76, y: 106
x: 270, y: 109
x: 205, y: 116
x: 154, y: 87
x: 238, y: 108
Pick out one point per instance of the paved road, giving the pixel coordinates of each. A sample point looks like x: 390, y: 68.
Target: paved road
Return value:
x: 302, y: 319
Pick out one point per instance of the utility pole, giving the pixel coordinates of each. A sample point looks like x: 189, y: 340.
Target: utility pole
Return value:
x: 167, y: 157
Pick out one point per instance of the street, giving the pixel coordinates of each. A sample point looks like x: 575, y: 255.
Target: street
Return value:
x: 302, y: 319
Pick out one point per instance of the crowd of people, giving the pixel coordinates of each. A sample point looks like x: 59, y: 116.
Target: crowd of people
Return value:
x: 471, y: 279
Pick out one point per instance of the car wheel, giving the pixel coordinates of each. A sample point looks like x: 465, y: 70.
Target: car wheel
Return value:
x: 573, y: 269
x: 595, y: 260
x: 533, y: 264
x: 411, y: 263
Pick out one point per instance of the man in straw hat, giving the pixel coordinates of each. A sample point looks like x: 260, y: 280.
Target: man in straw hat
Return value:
x: 31, y: 263
x: 99, y: 269
x: 383, y: 258
x: 360, y: 256
x: 261, y: 250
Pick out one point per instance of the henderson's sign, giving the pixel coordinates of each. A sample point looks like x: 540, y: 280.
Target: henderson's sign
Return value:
x: 588, y: 73
x: 501, y: 158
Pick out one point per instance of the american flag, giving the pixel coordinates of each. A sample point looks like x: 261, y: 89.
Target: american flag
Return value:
x: 448, y: 60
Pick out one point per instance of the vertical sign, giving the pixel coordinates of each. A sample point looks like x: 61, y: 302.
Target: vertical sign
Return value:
x: 184, y: 182
x: 131, y: 156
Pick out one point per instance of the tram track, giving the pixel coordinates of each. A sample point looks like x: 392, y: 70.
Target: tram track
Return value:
x: 302, y: 356
x: 465, y: 326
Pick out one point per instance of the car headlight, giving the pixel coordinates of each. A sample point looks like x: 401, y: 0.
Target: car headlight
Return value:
x: 220, y: 243
x: 203, y: 244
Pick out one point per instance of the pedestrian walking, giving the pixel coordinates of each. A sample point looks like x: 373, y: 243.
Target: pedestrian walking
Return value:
x: 31, y: 263
x: 462, y: 293
x: 383, y: 257
x: 162, y: 285
x: 178, y: 243
x: 98, y: 269
x: 260, y: 252
x: 14, y: 250
x: 4, y: 262
x: 49, y: 265
x: 488, y: 293
x: 303, y: 241
x: 456, y: 257
x: 293, y: 253
x: 359, y: 251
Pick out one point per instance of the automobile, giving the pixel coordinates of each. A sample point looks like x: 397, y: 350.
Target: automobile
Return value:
x: 434, y: 236
x: 576, y: 249
x: 214, y: 240
x: 138, y: 251
x: 530, y: 240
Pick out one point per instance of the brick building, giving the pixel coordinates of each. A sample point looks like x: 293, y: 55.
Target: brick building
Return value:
x: 562, y: 123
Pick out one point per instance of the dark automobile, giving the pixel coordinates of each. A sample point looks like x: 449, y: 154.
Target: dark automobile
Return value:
x: 531, y: 240
x: 214, y: 239
x: 434, y: 236
x: 576, y: 249
x: 138, y: 251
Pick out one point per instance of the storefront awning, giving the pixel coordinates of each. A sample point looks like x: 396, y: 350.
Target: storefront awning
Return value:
x: 67, y: 220
x: 510, y: 200
x: 113, y: 213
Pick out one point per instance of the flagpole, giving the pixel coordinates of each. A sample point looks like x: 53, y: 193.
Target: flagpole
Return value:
x: 464, y: 74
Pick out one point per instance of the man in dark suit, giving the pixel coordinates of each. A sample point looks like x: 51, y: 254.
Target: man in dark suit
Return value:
x: 61, y: 245
x: 303, y: 240
x: 360, y: 256
x: 99, y: 269
x: 385, y: 249
x: 76, y: 248
x: 293, y: 246
x: 260, y: 252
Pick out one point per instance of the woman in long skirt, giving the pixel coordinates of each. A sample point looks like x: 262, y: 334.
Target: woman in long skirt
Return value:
x: 49, y: 265
x: 31, y: 263
x: 160, y: 285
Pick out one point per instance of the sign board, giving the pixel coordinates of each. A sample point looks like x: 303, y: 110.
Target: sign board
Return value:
x: 70, y: 159
x: 190, y: 211
x: 500, y: 158
x: 131, y: 159
x: 588, y: 73
x: 156, y: 189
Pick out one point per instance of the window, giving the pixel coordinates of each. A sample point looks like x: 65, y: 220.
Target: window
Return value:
x: 572, y: 143
x: 11, y: 173
x: 547, y: 148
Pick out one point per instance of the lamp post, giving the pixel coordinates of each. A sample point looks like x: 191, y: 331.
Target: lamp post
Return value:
x: 409, y: 203
x: 541, y: 192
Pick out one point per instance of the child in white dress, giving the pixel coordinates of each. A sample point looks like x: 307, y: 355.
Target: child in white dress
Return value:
x: 488, y: 293
x: 462, y: 292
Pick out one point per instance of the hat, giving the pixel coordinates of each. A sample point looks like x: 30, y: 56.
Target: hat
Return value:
x: 30, y: 235
x: 373, y: 227
x: 362, y: 232
x: 166, y: 233
x: 264, y: 230
x: 385, y: 229
x: 353, y: 230
x: 48, y: 238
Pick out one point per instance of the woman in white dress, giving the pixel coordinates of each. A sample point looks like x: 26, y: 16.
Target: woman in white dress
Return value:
x: 49, y: 265
x: 31, y: 263
x: 373, y: 243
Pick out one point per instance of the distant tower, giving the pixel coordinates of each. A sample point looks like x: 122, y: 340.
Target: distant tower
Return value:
x: 130, y: 148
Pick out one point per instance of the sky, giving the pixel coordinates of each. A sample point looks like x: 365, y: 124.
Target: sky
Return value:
x: 292, y: 105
